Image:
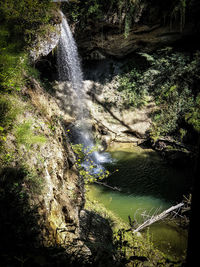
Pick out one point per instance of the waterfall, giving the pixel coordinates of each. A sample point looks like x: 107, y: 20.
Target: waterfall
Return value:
x: 69, y: 69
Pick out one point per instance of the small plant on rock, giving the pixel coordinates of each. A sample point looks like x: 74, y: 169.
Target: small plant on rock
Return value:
x: 86, y: 166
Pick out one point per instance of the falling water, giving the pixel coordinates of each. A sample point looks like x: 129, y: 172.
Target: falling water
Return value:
x: 69, y: 69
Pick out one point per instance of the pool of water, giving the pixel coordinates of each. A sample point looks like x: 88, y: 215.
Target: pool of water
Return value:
x: 147, y: 186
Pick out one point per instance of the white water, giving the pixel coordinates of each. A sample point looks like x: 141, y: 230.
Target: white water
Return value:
x: 69, y: 69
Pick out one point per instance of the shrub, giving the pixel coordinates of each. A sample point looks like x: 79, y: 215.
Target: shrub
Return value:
x: 132, y: 94
x: 193, y: 115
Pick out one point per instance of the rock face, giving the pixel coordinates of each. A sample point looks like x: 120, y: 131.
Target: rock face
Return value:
x: 61, y: 199
x: 94, y: 231
x: 113, y: 122
x: 141, y: 38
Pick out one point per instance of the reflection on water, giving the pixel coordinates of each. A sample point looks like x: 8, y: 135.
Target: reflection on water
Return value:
x: 147, y: 186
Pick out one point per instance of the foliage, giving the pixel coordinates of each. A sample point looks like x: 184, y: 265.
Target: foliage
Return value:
x: 175, y: 90
x: 86, y: 166
x: 172, y: 78
x: 9, y: 109
x: 193, y: 115
x: 98, y: 10
x: 131, y: 93
x: 7, y: 114
x: 20, y: 23
x: 23, y: 17
x: 25, y: 135
x: 14, y: 63
x: 84, y: 9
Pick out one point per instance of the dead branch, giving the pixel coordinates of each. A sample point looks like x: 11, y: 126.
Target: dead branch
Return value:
x: 158, y: 217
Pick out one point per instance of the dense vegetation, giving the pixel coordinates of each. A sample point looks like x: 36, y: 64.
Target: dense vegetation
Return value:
x: 128, y: 12
x: 170, y: 77
x: 20, y: 23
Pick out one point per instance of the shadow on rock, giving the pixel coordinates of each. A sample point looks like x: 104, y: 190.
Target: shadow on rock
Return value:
x: 21, y: 227
x: 97, y: 235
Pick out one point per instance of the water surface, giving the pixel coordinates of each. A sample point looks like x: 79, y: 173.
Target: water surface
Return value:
x: 147, y: 186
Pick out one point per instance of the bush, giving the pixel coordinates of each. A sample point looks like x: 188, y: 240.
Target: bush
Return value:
x: 193, y: 115
x: 174, y: 89
x: 132, y: 94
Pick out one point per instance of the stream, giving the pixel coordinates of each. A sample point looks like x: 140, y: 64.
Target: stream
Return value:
x: 147, y: 186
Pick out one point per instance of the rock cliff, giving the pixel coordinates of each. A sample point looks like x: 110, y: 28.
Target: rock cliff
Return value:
x: 43, y: 163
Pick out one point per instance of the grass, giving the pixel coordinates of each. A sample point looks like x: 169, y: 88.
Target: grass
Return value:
x: 25, y: 135
x: 10, y: 107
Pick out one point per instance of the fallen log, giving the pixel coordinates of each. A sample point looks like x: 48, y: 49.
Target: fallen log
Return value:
x: 158, y: 217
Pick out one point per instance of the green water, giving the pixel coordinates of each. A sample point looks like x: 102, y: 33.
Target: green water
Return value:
x: 148, y: 186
